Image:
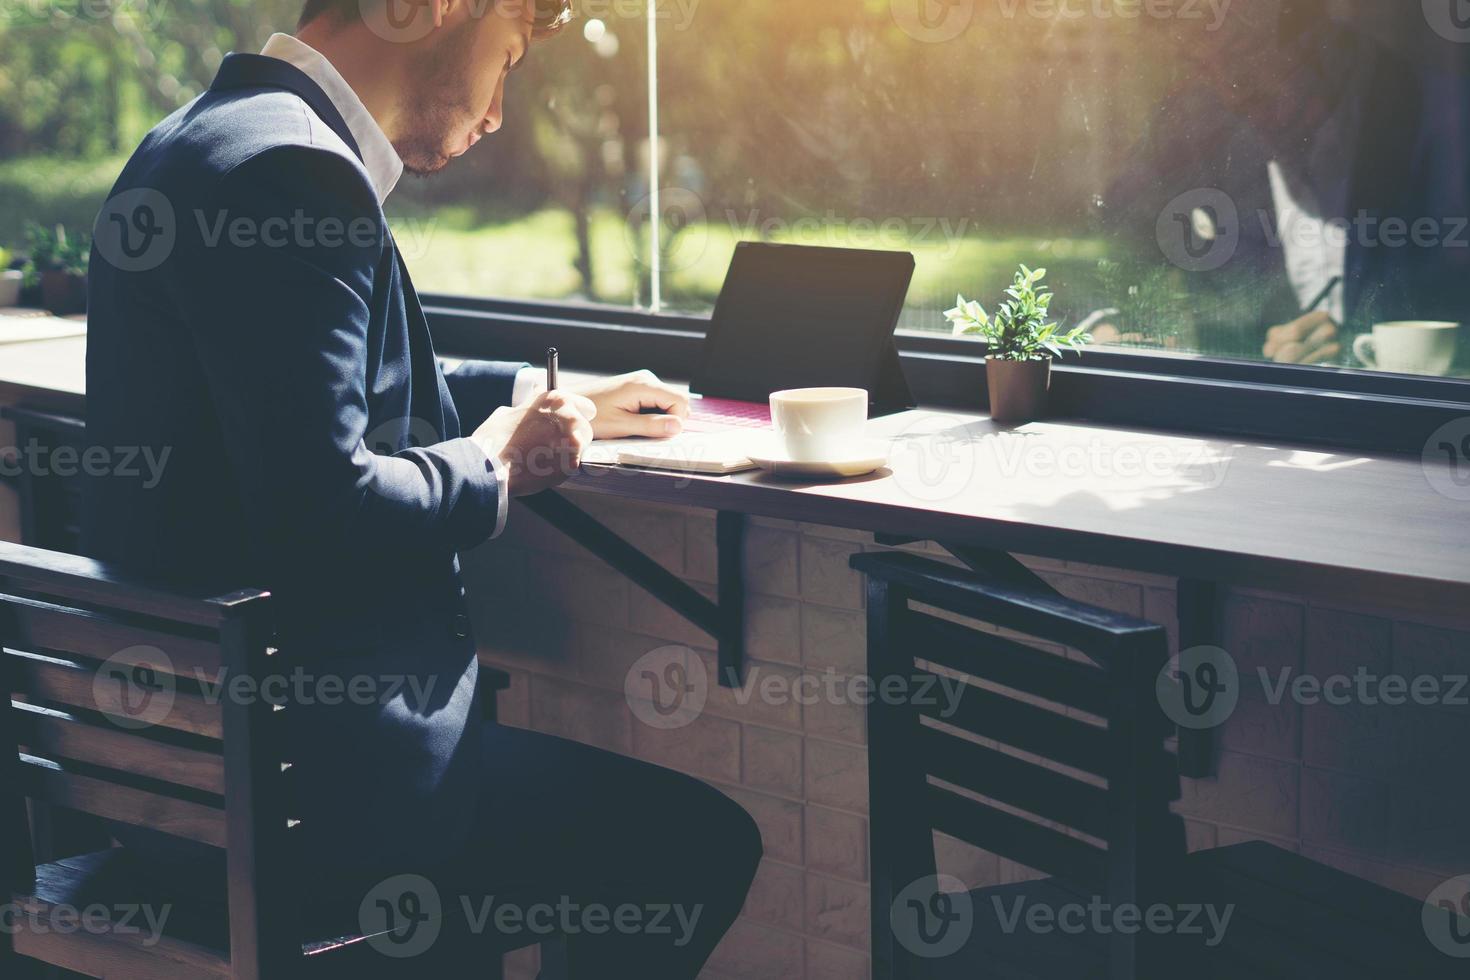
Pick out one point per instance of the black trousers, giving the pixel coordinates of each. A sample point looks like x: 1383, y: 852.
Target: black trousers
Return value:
x: 641, y: 869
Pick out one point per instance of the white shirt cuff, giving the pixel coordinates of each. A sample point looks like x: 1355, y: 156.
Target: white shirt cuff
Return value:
x: 530, y: 382
x: 502, y: 494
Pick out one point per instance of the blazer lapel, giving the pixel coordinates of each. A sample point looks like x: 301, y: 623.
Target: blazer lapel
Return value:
x: 421, y: 343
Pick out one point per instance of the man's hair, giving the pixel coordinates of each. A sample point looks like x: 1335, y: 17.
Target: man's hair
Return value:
x: 551, y: 15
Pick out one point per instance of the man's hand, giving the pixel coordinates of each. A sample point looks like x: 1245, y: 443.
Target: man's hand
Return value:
x: 540, y: 442
x: 1311, y: 339
x: 620, y: 401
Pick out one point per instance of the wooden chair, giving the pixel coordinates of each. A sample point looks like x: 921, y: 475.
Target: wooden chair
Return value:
x: 88, y: 663
x: 1061, y: 765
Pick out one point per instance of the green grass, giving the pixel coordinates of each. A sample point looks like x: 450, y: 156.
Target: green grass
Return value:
x: 451, y: 250
x: 534, y: 257
x: 49, y: 190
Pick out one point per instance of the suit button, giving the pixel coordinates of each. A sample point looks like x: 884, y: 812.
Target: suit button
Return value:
x: 462, y: 626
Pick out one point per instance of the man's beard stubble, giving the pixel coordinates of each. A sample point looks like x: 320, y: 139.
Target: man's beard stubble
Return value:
x: 438, y: 107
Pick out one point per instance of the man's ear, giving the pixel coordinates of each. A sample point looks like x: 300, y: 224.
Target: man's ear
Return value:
x: 441, y: 7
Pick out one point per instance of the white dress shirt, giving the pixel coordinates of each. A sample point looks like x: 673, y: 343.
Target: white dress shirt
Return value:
x: 1312, y: 195
x: 384, y: 168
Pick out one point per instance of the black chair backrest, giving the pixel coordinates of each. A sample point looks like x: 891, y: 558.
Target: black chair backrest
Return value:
x: 1058, y: 764
x: 112, y: 708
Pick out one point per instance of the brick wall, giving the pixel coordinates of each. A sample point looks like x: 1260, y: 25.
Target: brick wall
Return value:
x: 1370, y: 790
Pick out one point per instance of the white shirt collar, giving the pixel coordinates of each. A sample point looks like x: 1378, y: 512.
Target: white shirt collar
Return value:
x: 378, y: 156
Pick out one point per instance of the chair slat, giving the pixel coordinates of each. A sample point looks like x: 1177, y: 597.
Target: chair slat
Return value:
x: 70, y: 683
x: 51, y: 733
x: 79, y: 579
x: 50, y: 782
x: 1023, y: 726
x: 1007, y: 662
x: 1049, y: 617
x: 112, y: 955
x: 193, y: 940
x: 1021, y: 840
x: 41, y: 626
x: 1026, y: 785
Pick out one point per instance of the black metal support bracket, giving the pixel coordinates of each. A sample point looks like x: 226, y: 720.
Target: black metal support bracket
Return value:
x: 999, y: 565
x: 1201, y: 623
x: 724, y: 620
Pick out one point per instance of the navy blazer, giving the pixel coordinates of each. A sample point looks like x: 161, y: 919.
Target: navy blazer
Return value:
x: 251, y: 317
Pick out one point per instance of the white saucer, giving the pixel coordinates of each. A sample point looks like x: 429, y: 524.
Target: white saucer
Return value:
x: 865, y: 457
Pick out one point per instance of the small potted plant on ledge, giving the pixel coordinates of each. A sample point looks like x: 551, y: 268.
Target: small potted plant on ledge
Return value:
x: 1022, y: 342
x: 58, y: 266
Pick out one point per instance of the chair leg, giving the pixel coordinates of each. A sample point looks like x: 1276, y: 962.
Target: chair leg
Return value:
x: 554, y: 960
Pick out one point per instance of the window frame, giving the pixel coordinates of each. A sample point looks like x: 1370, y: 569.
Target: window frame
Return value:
x: 1338, y: 408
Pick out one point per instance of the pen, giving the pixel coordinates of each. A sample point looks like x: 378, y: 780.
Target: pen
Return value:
x: 1322, y: 297
x: 551, y: 359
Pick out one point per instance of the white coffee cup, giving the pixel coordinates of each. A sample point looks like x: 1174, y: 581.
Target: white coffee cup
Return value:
x: 819, y: 424
x: 1409, y: 347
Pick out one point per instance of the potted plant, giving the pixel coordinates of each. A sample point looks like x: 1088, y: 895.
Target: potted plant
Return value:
x: 58, y: 265
x: 1022, y: 342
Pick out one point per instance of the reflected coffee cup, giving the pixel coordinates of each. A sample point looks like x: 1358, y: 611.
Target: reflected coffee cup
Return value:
x: 819, y: 424
x: 1409, y: 347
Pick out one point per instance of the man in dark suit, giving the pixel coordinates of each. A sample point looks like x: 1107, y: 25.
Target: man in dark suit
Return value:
x: 250, y: 311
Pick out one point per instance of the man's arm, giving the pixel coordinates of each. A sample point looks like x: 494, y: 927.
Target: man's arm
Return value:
x: 280, y: 319
x: 480, y: 387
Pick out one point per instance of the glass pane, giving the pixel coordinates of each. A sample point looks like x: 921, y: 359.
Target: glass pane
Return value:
x: 538, y: 210
x: 1264, y: 179
x: 82, y: 82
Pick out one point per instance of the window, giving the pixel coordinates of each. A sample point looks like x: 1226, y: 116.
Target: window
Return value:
x: 539, y: 210
x: 1240, y: 180
x: 1191, y: 174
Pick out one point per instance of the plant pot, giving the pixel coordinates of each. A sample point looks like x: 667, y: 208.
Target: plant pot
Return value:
x: 63, y: 293
x: 1018, y: 389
